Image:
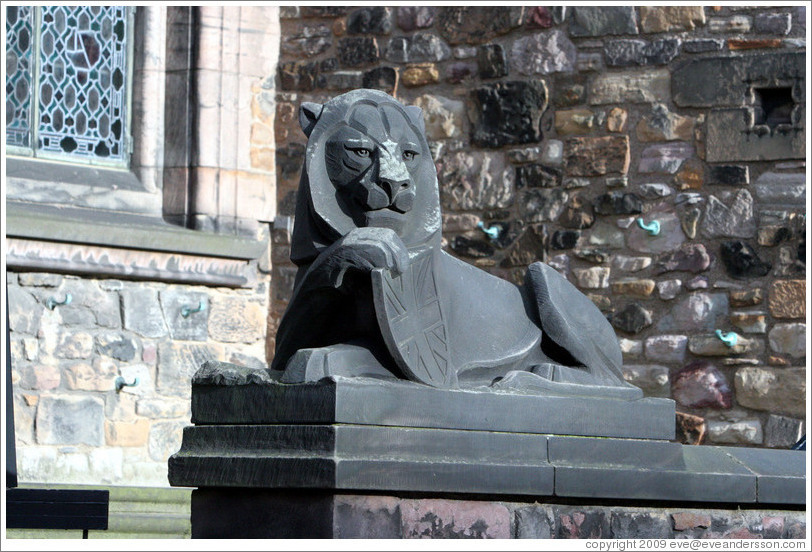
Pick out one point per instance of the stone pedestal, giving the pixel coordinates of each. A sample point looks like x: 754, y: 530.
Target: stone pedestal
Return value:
x: 270, y: 459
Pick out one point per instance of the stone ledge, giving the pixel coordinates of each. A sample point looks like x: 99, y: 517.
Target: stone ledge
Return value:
x: 366, y: 401
x: 386, y: 459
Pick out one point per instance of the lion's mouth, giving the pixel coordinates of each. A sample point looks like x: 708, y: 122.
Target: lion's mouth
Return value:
x: 385, y: 218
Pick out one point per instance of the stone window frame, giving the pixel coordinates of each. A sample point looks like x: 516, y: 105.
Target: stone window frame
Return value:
x: 186, y: 193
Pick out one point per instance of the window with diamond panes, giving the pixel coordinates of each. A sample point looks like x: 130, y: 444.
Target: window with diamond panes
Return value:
x: 67, y: 97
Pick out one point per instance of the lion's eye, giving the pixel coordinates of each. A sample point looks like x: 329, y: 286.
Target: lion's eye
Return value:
x: 409, y: 155
x: 362, y: 152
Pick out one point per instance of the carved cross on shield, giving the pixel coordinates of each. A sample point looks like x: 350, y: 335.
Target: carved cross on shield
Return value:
x: 410, y: 316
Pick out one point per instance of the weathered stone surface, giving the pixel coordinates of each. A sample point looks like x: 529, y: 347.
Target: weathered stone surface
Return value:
x: 627, y: 53
x: 631, y: 319
x: 358, y: 50
x: 116, y: 345
x: 177, y: 363
x: 533, y: 522
x: 420, y: 75
x: 734, y: 24
x: 772, y: 235
x: 323, y: 11
x: 713, y: 346
x: 604, y: 20
x: 594, y: 255
x: 663, y: 125
x: 308, y: 40
x: 527, y: 154
x: 787, y: 299
x: 42, y: 377
x: 142, y: 313
x: 782, y: 432
x: 469, y: 182
x: 596, y: 277
x: 193, y: 326
x: 665, y: 158
x: 702, y: 385
x: 651, y: 378
x: 780, y: 391
x: 629, y: 348
x: 294, y: 75
x: 574, y: 121
x: 692, y: 257
x: 235, y: 320
x: 370, y: 517
x: 630, y: 86
x: 662, y: 19
x: 381, y: 78
x: 528, y: 249
x: 564, y: 239
x: 699, y: 311
x: 655, y: 190
x: 164, y: 440
x: 702, y: 45
x: 475, y: 24
x: 459, y: 72
x: 635, y: 288
x: 640, y: 525
x: 542, y: 204
x: 543, y: 53
x: 70, y: 420
x: 574, y: 522
x: 735, y: 219
x: 508, y: 113
x: 440, y: 518
x: 773, y: 23
x: 443, y: 116
x: 728, y: 175
x: 669, y: 238
x: 736, y: 44
x: 578, y: 214
x: 630, y: 264
x: 689, y: 221
x: 535, y: 175
x: 74, y: 345
x: 340, y: 80
x: 126, y: 434
x: 666, y: 348
x: 606, y: 234
x: 569, y: 90
x: 690, y: 520
x: 415, y: 17
x: 162, y: 408
x: 789, y: 339
x: 492, y: 61
x: 749, y: 322
x: 616, y: 120
x: 781, y: 188
x: 39, y: 279
x: 742, y: 261
x: 370, y: 21
x: 24, y: 312
x: 745, y: 432
x: 618, y: 203
x: 471, y: 248
x: 746, y: 297
x: 84, y: 377
x: 596, y: 156
x: 553, y: 153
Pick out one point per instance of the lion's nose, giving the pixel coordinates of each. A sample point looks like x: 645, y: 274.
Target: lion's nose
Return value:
x: 393, y: 187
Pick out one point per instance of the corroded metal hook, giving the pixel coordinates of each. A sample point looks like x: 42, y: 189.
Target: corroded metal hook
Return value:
x: 729, y: 339
x: 653, y: 227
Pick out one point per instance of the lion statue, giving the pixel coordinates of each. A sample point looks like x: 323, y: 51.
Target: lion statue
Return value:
x: 376, y: 296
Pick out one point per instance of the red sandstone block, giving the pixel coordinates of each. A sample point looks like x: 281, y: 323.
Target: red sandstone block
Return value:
x: 437, y: 518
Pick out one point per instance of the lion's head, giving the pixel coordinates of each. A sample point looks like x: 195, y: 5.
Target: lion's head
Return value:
x: 367, y: 163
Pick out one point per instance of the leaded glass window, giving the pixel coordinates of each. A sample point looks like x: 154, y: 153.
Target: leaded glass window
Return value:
x: 71, y: 78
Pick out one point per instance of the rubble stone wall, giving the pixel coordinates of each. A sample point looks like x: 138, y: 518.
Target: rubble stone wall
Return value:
x: 569, y: 129
x: 72, y: 425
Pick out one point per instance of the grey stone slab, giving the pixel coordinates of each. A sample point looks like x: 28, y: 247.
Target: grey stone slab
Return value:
x: 363, y: 457
x: 368, y: 401
x: 648, y: 471
x: 781, y: 473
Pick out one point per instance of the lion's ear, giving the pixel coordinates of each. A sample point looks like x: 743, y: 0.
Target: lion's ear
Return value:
x: 416, y: 115
x: 309, y: 114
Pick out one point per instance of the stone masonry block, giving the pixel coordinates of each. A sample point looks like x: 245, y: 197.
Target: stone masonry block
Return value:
x: 194, y: 305
x: 235, y: 320
x: 438, y: 518
x: 70, y: 420
x: 24, y: 311
x: 787, y: 299
x: 142, y: 312
x: 367, y: 517
x: 781, y: 391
